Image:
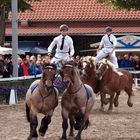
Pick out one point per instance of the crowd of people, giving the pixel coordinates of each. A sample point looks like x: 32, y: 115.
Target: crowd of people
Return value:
x: 32, y: 65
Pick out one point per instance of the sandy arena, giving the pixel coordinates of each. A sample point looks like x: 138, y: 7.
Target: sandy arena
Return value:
x: 122, y: 124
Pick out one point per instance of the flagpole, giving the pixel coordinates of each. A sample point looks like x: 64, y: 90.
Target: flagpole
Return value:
x: 14, y: 37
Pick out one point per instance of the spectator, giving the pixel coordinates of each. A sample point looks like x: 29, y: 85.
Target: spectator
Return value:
x: 126, y: 63
x: 8, y: 69
x: 24, y: 66
x: 136, y: 62
x: 2, y: 64
x: 20, y: 70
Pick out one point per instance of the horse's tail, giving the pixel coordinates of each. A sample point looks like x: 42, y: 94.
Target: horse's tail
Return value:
x: 27, y: 112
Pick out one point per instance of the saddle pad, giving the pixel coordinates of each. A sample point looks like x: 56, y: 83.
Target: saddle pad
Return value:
x: 89, y: 91
x: 33, y: 87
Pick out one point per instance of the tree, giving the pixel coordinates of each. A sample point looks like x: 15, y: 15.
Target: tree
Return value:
x: 123, y: 4
x: 5, y: 7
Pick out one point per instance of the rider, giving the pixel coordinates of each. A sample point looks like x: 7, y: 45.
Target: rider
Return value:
x: 107, y: 47
x: 64, y: 44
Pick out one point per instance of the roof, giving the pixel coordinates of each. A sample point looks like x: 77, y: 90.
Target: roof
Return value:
x: 30, y: 31
x: 50, y: 10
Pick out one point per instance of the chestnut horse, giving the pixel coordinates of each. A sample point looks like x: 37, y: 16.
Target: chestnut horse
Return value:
x: 41, y: 97
x: 113, y: 80
x: 88, y: 73
x: 77, y: 101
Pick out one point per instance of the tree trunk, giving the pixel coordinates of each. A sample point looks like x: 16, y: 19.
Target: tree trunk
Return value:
x: 2, y: 27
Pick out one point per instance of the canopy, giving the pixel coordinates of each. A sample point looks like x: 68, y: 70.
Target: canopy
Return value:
x: 126, y: 43
x: 39, y: 50
x: 5, y: 51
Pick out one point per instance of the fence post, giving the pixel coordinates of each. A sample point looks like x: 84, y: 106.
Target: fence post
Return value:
x: 13, y: 97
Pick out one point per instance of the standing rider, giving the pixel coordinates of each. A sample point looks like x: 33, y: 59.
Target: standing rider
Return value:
x: 107, y: 47
x: 64, y: 46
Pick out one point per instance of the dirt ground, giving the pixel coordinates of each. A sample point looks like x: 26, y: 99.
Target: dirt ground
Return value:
x: 122, y: 124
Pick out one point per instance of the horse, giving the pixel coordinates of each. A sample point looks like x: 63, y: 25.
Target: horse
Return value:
x: 114, y: 81
x: 41, y: 97
x: 88, y: 73
x: 77, y: 101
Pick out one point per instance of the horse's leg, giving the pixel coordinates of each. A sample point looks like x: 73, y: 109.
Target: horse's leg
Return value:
x: 116, y: 102
x: 44, y: 125
x: 71, y: 117
x: 111, y: 102
x: 33, y: 125
x: 64, y: 123
x: 83, y: 123
x: 102, y: 101
x: 130, y: 94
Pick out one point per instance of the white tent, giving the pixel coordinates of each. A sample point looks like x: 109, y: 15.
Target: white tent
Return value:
x: 5, y: 51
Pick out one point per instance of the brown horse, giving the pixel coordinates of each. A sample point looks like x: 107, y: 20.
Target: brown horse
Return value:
x: 88, y: 73
x: 41, y: 97
x: 77, y: 102
x: 113, y: 80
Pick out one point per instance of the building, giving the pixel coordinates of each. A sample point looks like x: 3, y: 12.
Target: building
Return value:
x: 86, y: 19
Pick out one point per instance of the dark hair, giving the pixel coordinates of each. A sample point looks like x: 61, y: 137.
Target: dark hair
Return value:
x: 64, y: 27
x: 108, y: 29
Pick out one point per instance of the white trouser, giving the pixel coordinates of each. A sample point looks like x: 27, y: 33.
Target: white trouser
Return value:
x: 102, y: 54
x: 60, y: 57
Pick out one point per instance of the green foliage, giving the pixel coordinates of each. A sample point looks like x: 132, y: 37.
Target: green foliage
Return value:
x: 123, y: 4
x: 22, y: 4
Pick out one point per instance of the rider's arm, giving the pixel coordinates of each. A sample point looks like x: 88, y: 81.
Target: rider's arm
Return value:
x: 101, y: 45
x: 50, y: 48
x: 71, y: 49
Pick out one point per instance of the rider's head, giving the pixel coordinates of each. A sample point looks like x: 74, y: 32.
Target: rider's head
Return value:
x: 64, y: 29
x: 108, y: 30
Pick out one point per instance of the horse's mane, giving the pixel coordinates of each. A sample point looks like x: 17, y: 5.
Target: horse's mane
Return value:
x: 89, y: 58
x: 112, y: 66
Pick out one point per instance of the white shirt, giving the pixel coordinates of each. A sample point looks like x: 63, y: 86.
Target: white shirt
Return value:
x: 68, y: 45
x: 105, y: 43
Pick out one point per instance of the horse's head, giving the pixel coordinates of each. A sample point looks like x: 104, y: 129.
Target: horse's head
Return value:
x: 88, y: 65
x: 102, y: 68
x: 67, y: 73
x: 48, y: 75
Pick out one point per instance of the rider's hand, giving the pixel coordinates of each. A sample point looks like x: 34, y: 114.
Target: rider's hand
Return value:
x: 49, y: 54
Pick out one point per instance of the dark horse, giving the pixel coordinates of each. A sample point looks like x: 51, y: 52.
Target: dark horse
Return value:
x: 114, y: 81
x: 41, y: 97
x: 77, y: 102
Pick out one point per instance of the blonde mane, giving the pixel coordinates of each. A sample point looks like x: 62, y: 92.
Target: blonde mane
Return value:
x: 88, y: 58
x: 105, y: 61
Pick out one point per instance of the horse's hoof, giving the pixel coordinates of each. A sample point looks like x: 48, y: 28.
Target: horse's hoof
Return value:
x: 34, y: 138
x: 109, y: 111
x: 102, y: 109
x: 41, y: 134
x: 130, y: 104
x: 63, y: 138
x: 77, y: 138
x: 116, y: 104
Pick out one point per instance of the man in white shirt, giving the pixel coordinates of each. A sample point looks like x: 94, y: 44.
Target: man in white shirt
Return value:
x: 107, y: 47
x: 64, y: 46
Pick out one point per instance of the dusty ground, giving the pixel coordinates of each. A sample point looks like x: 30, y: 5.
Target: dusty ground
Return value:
x: 122, y: 124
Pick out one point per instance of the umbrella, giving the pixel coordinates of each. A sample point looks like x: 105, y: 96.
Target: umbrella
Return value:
x: 5, y: 51
x: 39, y: 50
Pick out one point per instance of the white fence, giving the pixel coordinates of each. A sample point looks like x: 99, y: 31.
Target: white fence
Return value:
x: 136, y: 78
